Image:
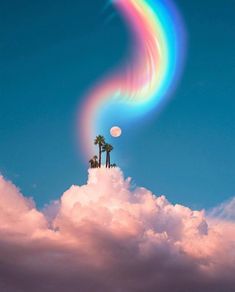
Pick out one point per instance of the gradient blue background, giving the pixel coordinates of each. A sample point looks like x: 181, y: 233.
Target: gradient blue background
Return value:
x: 51, y: 52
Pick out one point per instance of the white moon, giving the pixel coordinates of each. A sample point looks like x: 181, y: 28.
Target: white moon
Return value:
x: 115, y: 132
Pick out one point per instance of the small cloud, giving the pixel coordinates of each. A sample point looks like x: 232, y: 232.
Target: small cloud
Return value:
x: 224, y: 211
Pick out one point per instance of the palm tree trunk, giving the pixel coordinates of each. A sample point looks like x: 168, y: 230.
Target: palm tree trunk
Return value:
x: 99, y: 155
x: 107, y: 159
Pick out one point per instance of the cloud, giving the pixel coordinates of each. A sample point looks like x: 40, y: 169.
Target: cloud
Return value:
x: 224, y: 211
x: 104, y: 236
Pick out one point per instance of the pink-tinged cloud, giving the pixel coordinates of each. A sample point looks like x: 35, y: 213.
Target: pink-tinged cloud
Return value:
x: 103, y: 236
x: 224, y: 211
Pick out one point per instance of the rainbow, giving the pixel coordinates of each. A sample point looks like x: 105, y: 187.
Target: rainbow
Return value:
x: 144, y: 83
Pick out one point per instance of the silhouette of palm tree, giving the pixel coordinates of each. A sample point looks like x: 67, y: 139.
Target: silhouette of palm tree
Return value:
x: 100, y: 141
x: 107, y: 148
x: 96, y: 164
x: 91, y: 161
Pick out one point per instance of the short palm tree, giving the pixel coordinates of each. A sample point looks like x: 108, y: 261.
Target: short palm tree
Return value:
x: 95, y: 158
x: 91, y: 161
x: 107, y: 148
x: 100, y: 141
x: 96, y: 164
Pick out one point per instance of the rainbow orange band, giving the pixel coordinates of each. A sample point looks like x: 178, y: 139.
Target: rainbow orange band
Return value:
x: 148, y: 79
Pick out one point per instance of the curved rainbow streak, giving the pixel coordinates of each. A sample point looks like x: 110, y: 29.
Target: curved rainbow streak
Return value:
x: 149, y: 77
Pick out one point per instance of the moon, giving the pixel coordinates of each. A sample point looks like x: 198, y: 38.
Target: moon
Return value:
x: 115, y: 132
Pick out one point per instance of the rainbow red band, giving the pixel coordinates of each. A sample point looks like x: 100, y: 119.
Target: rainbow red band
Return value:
x: 147, y: 81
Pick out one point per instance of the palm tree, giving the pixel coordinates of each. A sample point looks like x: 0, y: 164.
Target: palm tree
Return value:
x: 100, y: 141
x: 95, y: 158
x: 96, y: 164
x: 107, y: 148
x: 91, y: 161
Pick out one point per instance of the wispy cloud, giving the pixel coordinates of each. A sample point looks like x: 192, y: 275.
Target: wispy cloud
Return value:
x: 224, y: 211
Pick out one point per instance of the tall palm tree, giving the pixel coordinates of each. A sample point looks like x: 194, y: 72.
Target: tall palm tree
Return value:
x: 100, y: 141
x: 107, y: 148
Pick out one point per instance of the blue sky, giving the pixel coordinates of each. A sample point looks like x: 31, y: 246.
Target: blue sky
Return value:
x: 51, y: 52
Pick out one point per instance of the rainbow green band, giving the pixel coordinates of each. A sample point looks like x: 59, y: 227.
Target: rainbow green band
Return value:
x: 149, y: 77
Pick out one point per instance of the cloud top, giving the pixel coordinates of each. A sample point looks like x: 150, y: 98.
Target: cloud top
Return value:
x: 103, y: 236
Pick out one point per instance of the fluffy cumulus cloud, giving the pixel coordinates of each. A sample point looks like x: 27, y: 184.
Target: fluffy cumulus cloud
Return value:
x: 103, y: 236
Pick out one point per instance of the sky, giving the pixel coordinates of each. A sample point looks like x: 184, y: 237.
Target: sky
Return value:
x: 51, y: 53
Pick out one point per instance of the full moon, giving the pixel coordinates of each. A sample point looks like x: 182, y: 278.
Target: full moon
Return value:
x: 115, y: 132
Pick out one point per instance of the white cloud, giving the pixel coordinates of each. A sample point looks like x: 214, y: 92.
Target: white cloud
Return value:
x: 224, y: 211
x: 103, y: 236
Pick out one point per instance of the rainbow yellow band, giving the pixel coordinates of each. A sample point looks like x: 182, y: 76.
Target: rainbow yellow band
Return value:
x: 148, y: 79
